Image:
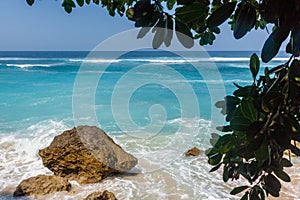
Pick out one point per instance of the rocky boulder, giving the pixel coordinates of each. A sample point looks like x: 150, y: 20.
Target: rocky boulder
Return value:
x: 86, y: 154
x: 42, y: 185
x: 105, y: 195
x: 193, y: 152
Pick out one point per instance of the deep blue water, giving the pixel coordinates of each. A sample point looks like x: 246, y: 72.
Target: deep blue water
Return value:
x: 37, y: 86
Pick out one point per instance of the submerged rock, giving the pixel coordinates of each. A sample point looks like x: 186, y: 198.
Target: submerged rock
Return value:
x: 105, y: 195
x: 42, y: 185
x: 86, y: 154
x: 193, y: 152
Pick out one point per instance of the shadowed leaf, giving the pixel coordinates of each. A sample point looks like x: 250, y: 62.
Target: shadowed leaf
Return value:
x: 248, y: 109
x: 220, y: 15
x: 273, y: 44
x: 238, y: 190
x: 254, y: 65
x: 272, y: 185
x: 282, y: 175
x: 240, y: 123
x: 80, y: 2
x: 215, y: 168
x: 245, y: 18
x: 190, y: 13
x: 184, y: 34
x: 30, y: 2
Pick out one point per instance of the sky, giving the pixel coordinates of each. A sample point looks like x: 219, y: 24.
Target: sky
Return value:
x: 47, y: 27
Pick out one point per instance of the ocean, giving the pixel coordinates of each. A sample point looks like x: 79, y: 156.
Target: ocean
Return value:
x: 155, y: 104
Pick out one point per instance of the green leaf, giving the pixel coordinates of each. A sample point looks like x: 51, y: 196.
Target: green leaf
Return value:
x: 262, y: 153
x: 240, y: 123
x: 282, y: 175
x: 184, y: 34
x: 71, y: 3
x: 245, y: 18
x: 243, y: 91
x: 273, y: 44
x: 220, y: 15
x: 286, y: 163
x: 192, y: 12
x: 30, y: 2
x: 254, y: 65
x: 87, y: 1
x: 215, y: 168
x: 272, y: 185
x: 225, y: 173
x: 215, y: 159
x: 248, y: 109
x: 226, y: 148
x: 211, y: 151
x: 245, y: 196
x: 238, y: 190
x: 68, y: 8
x: 80, y: 2
x: 216, y: 30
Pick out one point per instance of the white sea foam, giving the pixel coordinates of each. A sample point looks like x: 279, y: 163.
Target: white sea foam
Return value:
x: 18, y: 152
x: 163, y: 171
x: 213, y: 81
x: 34, y: 65
x: 170, y: 60
x: 16, y: 58
x: 241, y: 59
x: 95, y: 60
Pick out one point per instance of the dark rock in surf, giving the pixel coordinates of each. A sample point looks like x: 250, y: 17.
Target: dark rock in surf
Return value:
x: 105, y: 195
x: 42, y: 185
x: 193, y: 152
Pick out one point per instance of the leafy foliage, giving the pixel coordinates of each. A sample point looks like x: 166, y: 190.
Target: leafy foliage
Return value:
x: 264, y: 123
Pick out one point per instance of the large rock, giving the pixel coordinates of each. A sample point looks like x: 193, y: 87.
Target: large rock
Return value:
x: 193, y: 152
x: 105, y: 195
x: 42, y: 185
x: 86, y: 154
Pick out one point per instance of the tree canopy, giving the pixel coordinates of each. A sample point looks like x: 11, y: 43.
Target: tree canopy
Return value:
x: 263, y: 117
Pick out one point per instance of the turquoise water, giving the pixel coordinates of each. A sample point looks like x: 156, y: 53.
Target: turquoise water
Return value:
x: 38, y: 91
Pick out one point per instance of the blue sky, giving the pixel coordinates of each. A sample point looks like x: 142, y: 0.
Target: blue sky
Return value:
x: 46, y: 26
